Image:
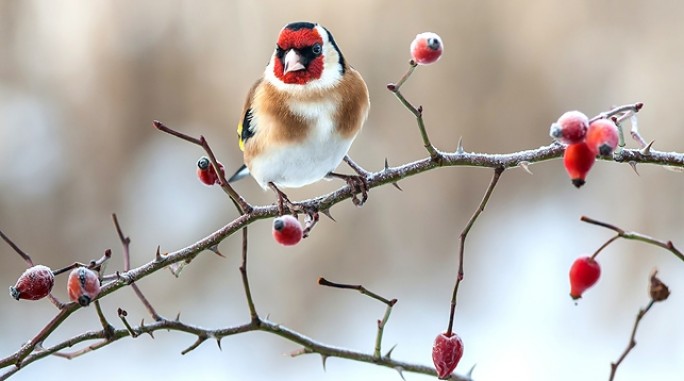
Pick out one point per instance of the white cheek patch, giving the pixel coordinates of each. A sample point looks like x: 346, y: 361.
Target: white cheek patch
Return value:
x: 330, y: 77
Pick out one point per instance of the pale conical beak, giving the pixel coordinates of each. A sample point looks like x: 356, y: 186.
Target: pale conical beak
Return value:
x: 292, y: 62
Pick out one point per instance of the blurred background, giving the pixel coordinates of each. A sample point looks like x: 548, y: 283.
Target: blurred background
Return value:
x: 81, y: 82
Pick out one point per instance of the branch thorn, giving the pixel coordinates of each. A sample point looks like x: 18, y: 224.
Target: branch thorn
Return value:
x: 400, y: 370
x: 324, y: 360
x: 327, y: 214
x: 646, y: 151
x: 525, y: 165
x: 215, y: 250
x: 470, y: 372
x: 633, y: 164
x: 389, y: 353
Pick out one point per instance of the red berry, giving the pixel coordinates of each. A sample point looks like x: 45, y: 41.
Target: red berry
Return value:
x: 578, y: 159
x: 426, y: 48
x: 206, y: 172
x: 584, y: 273
x: 570, y: 128
x: 446, y: 353
x: 287, y: 230
x: 602, y: 136
x: 83, y: 285
x: 35, y: 283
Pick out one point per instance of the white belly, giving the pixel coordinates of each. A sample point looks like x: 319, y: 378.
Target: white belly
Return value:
x: 293, y: 166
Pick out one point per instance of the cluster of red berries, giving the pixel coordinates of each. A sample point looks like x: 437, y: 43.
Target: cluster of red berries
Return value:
x: 36, y: 282
x: 585, y: 141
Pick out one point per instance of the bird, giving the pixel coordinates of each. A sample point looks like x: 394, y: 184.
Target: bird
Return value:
x: 300, y: 118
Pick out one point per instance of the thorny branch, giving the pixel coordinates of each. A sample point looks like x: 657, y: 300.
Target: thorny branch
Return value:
x: 34, y: 350
x: 387, y: 175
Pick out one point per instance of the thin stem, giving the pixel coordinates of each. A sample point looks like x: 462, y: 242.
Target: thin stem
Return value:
x: 412, y: 67
x: 593, y: 256
x: 628, y: 109
x: 632, y: 342
x: 461, y: 251
x: 126, y: 243
x: 667, y: 245
x: 381, y: 328
x: 381, y: 323
x: 245, y: 280
x: 22, y: 254
x: 122, y: 315
x: 108, y: 328
x: 324, y: 282
x: 416, y: 111
x: 202, y: 142
x: 93, y: 265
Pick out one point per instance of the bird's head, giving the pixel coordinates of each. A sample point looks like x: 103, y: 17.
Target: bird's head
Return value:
x: 305, y: 56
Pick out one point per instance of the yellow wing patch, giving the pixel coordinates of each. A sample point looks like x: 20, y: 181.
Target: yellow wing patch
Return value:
x: 241, y: 142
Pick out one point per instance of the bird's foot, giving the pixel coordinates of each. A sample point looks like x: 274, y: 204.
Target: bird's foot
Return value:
x: 358, y: 184
x: 283, y: 201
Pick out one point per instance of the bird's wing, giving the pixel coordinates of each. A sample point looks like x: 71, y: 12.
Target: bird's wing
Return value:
x: 245, y: 129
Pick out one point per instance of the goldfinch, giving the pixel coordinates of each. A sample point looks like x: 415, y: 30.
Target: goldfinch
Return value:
x: 302, y: 115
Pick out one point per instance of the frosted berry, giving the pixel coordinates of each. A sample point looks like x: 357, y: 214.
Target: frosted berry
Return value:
x: 602, y: 136
x: 570, y: 128
x: 83, y: 285
x: 426, y: 48
x: 35, y: 283
x: 446, y: 353
x: 287, y: 230
x: 578, y: 160
x: 206, y: 173
x: 584, y: 273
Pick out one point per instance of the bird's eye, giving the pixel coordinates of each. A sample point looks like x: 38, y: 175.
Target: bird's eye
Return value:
x: 317, y: 49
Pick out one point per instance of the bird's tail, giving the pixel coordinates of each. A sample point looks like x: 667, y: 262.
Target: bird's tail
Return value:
x: 239, y: 174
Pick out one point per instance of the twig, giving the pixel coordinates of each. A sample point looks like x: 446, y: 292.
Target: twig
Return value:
x: 632, y: 342
x: 625, y: 110
x: 461, y: 251
x: 416, y: 111
x: 359, y: 288
x: 93, y: 265
x: 22, y: 254
x: 669, y: 246
x: 245, y: 280
x: 382, y: 322
x: 244, y: 207
x: 126, y: 243
x: 381, y: 329
x: 611, y: 240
